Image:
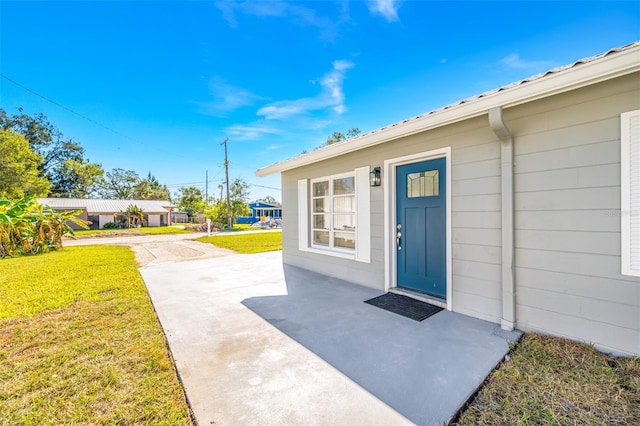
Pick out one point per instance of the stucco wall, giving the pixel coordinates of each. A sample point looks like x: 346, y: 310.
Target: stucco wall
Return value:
x: 567, y: 206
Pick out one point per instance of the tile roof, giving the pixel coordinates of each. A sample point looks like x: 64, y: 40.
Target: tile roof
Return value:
x: 106, y: 206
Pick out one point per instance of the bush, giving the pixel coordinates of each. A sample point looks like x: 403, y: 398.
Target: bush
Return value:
x: 27, y: 227
x: 111, y: 225
x: 134, y: 216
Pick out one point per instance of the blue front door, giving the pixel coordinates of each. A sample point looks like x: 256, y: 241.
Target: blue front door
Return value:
x: 421, y: 226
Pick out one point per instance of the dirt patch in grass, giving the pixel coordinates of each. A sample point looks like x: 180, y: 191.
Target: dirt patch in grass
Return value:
x: 550, y: 380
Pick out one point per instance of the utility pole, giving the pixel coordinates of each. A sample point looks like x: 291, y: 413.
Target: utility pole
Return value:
x: 206, y: 187
x: 226, y: 170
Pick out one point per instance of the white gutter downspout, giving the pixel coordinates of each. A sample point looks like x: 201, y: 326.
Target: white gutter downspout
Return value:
x: 496, y: 122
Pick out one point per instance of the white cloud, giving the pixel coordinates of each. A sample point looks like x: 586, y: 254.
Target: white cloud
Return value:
x: 250, y: 131
x: 387, y: 8
x: 515, y: 62
x: 330, y: 96
x: 226, y: 97
x: 284, y: 109
x: 299, y: 15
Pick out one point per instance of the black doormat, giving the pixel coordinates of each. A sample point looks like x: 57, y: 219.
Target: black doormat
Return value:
x: 405, y: 306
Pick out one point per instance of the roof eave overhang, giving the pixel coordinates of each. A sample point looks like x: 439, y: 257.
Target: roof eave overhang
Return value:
x: 606, y: 68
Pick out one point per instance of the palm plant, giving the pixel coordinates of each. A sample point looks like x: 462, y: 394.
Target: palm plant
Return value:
x: 27, y: 227
x: 134, y: 216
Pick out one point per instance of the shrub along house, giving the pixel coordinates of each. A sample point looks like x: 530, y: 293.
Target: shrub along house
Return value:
x: 99, y: 212
x: 518, y: 206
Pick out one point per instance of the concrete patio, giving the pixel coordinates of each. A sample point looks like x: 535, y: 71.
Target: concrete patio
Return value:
x: 259, y: 343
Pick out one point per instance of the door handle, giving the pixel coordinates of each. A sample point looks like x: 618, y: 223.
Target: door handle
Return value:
x: 398, y: 241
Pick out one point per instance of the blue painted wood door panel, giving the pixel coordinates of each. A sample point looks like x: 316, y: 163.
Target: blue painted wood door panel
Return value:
x: 421, y: 214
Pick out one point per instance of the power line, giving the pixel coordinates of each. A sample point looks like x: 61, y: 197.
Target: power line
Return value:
x: 67, y: 108
x: 84, y: 117
x: 262, y: 186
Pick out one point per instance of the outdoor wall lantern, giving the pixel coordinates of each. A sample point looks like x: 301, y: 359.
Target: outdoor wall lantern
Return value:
x: 374, y: 176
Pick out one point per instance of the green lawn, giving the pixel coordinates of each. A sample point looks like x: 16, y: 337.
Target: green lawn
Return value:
x: 155, y: 230
x: 553, y: 381
x: 80, y: 342
x: 247, y: 242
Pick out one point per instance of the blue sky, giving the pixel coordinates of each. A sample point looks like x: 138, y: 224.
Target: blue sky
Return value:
x: 160, y: 84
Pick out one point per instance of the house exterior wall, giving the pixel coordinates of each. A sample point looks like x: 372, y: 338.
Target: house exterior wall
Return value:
x: 153, y: 220
x: 105, y: 218
x: 567, y: 217
x: 475, y: 186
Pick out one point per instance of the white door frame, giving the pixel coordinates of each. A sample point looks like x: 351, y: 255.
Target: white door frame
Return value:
x: 390, y: 254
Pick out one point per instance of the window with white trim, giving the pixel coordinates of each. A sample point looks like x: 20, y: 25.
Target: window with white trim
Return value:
x: 333, y: 212
x: 334, y: 215
x: 630, y: 192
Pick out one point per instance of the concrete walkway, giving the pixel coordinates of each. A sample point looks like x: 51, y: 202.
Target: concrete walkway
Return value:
x: 155, y: 249
x: 256, y: 343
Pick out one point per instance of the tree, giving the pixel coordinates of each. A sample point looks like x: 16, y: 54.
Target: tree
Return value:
x: 338, y: 136
x: 37, y: 130
x: 150, y: 189
x: 190, y: 200
x: 49, y: 142
x: 19, y: 175
x: 218, y: 212
x: 133, y: 216
x: 77, y: 179
x: 239, y: 190
x: 269, y: 200
x: 238, y: 196
x: 120, y: 184
x: 43, y: 137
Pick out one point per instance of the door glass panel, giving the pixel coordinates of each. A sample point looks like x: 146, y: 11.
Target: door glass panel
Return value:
x: 422, y: 184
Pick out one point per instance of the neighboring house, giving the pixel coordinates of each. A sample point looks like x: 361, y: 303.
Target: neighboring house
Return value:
x: 515, y: 206
x: 99, y: 212
x: 260, y: 211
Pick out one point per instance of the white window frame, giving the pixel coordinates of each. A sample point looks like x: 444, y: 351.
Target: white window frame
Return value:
x: 630, y: 192
x: 331, y: 213
x: 362, y: 252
